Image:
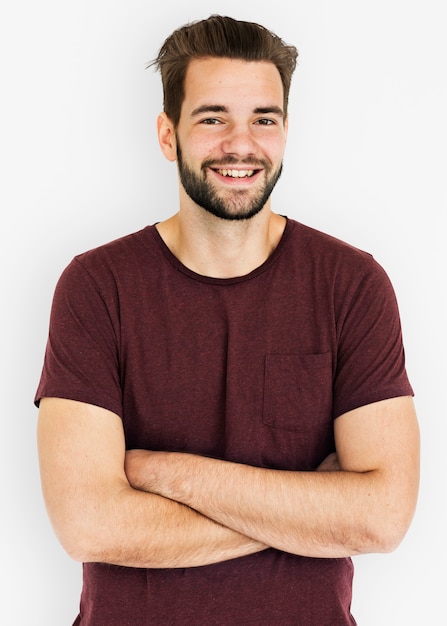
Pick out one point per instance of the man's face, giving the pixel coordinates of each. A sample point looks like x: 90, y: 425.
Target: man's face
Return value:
x: 231, y: 136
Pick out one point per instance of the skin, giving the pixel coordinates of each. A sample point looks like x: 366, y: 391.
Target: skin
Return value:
x: 159, y: 509
x: 232, y: 113
x: 361, y: 500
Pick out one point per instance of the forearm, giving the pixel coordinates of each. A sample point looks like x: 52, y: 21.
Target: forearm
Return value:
x: 324, y: 515
x: 364, y: 504
x: 98, y: 516
x: 318, y: 514
x: 137, y: 529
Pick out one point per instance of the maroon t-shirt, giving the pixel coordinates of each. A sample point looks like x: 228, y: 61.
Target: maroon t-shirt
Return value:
x: 251, y: 369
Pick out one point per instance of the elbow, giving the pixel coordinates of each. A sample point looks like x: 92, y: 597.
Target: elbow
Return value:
x: 385, y: 533
x: 92, y: 548
x: 91, y: 530
x: 392, y: 537
x: 397, y: 515
x: 82, y: 551
x: 388, y: 518
x: 97, y: 534
x: 77, y: 553
x: 386, y: 542
x: 80, y: 544
x: 85, y: 538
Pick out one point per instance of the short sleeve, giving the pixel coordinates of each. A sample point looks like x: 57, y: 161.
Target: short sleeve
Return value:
x: 370, y: 356
x: 82, y: 354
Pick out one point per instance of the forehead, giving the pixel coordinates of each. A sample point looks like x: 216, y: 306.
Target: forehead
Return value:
x: 221, y: 81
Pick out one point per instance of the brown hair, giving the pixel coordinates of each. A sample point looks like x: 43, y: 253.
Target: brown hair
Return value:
x: 219, y: 36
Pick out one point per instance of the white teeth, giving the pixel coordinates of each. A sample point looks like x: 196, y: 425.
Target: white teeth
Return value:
x: 236, y: 173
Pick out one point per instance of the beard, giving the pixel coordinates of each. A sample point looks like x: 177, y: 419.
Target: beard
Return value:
x: 237, y: 204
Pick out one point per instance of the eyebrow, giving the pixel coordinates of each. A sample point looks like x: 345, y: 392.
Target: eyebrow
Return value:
x: 218, y: 108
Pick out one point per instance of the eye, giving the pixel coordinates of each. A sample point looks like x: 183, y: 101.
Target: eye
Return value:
x: 210, y: 121
x: 264, y: 121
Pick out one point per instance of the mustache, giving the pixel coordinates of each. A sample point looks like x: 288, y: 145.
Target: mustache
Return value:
x: 250, y: 163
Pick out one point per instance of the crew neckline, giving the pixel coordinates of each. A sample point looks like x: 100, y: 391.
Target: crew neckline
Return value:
x: 179, y: 266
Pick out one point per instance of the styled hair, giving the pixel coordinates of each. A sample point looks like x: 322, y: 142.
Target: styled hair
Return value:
x: 218, y: 36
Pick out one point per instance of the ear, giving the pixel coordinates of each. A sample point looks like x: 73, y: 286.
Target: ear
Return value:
x: 166, y: 137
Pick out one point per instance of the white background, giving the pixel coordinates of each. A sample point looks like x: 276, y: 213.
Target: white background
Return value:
x: 80, y: 165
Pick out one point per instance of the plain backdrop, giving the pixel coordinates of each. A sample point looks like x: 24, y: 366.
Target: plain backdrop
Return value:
x: 80, y: 165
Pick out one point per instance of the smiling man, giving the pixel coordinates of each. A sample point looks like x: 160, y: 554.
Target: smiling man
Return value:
x: 229, y: 144
x: 220, y: 133
x: 225, y: 416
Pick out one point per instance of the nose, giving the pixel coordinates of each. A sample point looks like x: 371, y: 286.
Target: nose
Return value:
x: 239, y: 141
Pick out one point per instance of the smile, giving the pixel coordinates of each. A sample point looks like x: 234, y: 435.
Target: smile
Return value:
x: 236, y: 173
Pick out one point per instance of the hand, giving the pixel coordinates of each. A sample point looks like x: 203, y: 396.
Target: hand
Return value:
x: 136, y: 468
x: 159, y: 472
x: 330, y: 464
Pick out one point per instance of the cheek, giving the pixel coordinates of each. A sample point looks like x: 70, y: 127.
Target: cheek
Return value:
x: 200, y: 150
x: 277, y: 150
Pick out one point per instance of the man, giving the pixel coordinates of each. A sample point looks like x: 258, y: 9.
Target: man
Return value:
x: 225, y: 416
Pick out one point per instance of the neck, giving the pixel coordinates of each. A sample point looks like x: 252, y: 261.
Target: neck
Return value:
x: 220, y: 248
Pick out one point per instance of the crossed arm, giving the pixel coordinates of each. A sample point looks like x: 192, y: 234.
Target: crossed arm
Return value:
x: 158, y: 509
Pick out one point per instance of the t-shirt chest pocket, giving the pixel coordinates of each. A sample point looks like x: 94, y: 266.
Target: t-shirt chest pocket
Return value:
x: 297, y: 391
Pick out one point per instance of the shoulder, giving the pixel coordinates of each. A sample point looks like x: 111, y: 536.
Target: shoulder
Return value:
x: 321, y: 243
x: 108, y: 268
x: 329, y: 255
x: 127, y: 248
